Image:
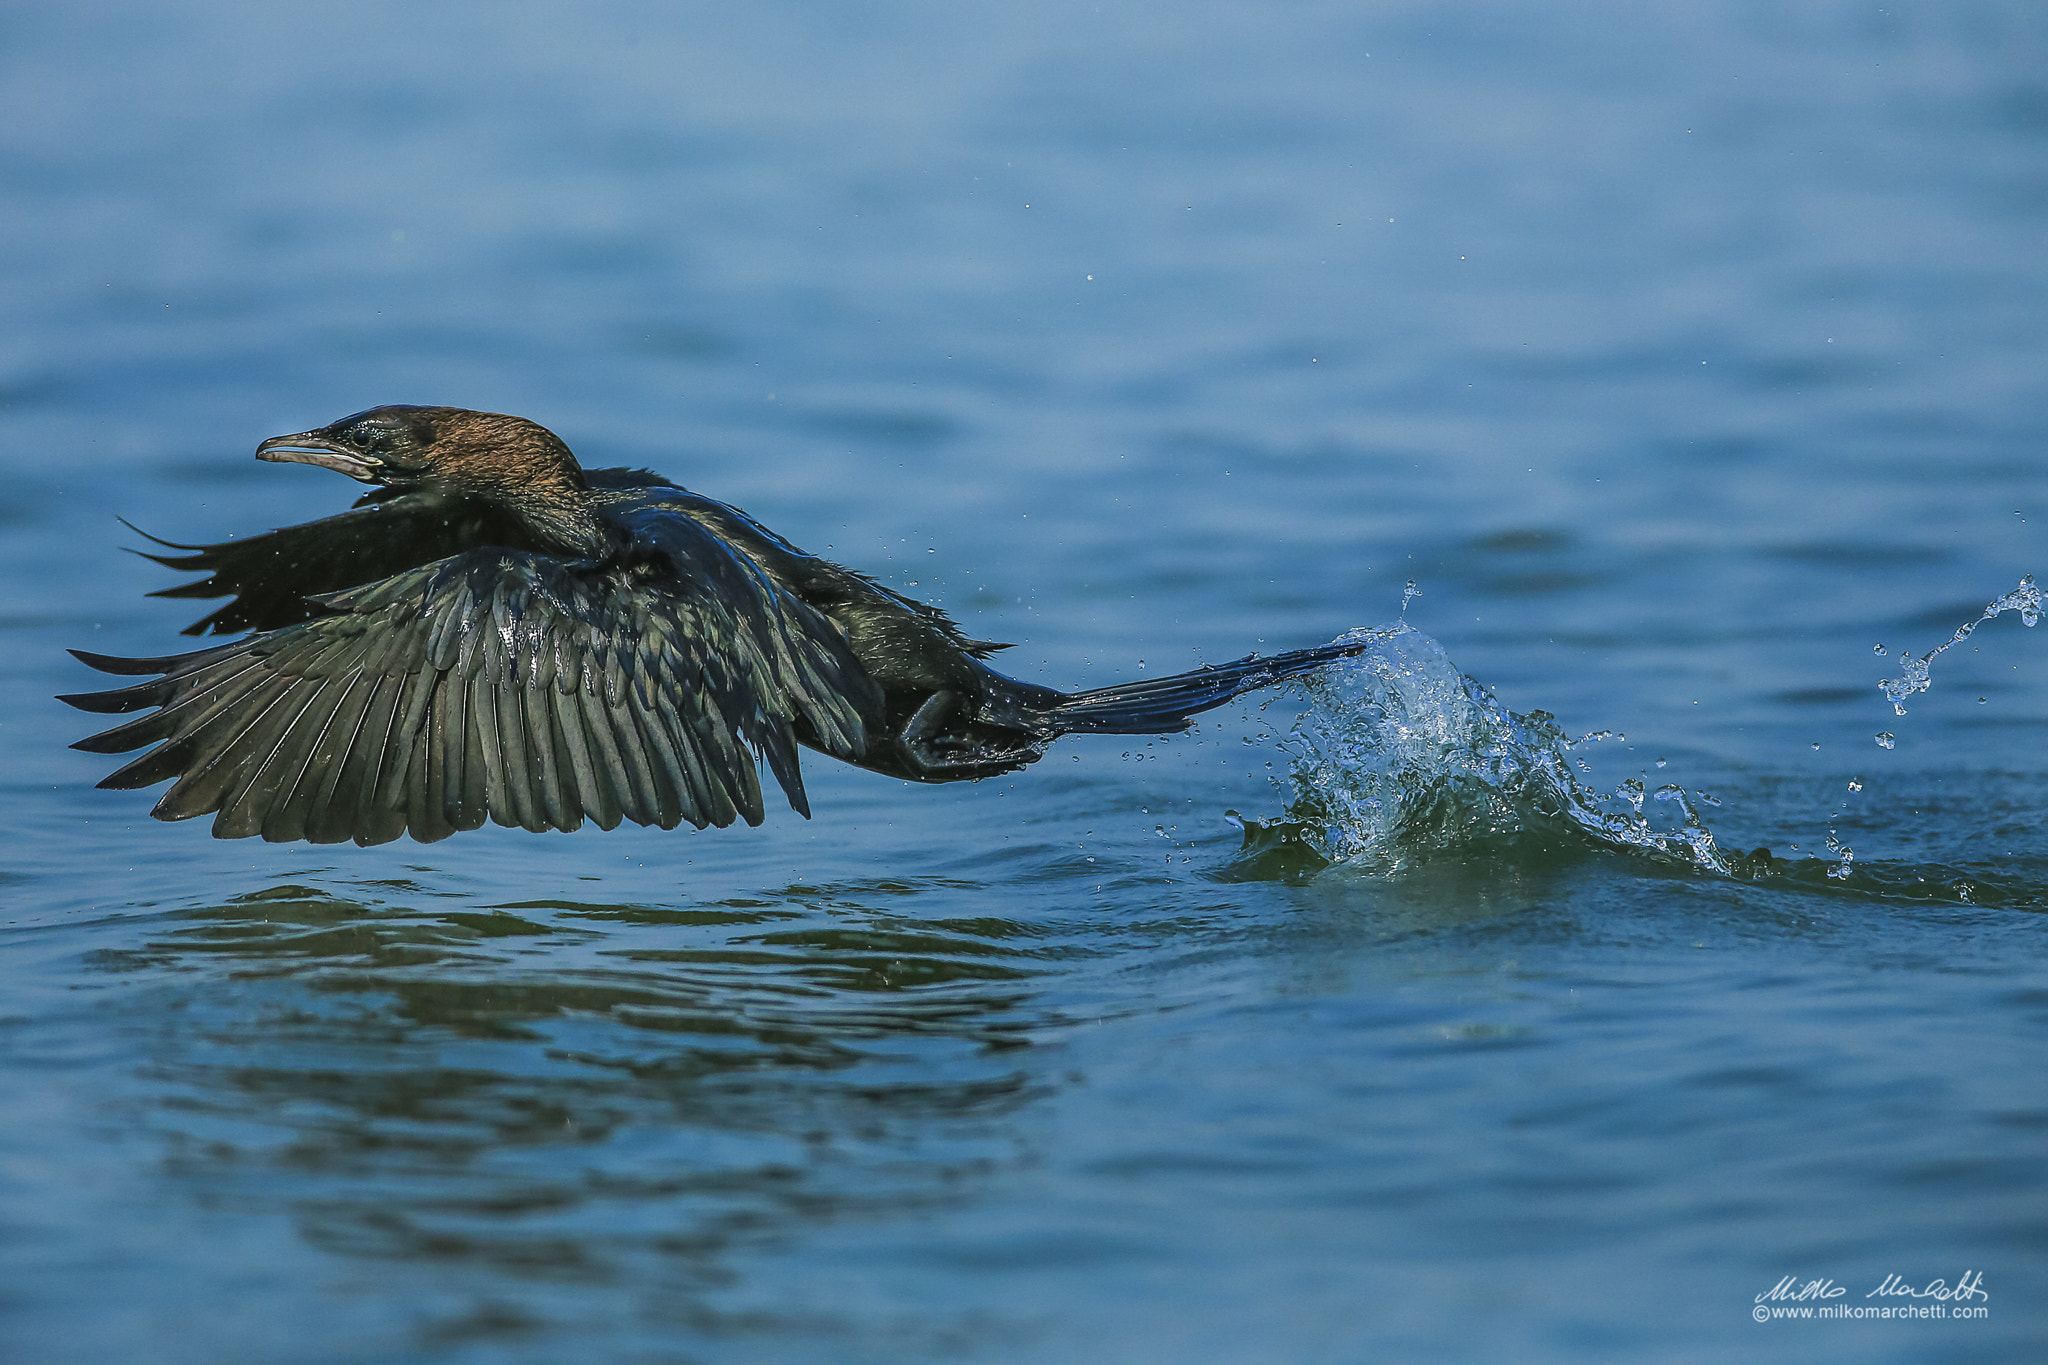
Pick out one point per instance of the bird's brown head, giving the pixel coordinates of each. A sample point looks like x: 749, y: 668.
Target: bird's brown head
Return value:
x: 445, y: 450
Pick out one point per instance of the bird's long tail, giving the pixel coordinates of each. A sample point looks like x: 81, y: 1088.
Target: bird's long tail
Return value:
x: 1163, y: 706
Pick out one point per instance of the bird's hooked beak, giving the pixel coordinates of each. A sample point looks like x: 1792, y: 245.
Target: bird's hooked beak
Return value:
x: 314, y: 447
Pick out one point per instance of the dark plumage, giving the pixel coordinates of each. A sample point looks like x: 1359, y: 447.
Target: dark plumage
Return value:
x: 495, y: 632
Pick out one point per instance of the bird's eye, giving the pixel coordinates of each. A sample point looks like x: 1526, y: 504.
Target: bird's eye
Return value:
x: 365, y: 438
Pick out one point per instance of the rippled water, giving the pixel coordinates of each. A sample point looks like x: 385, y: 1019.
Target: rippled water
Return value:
x: 1512, y: 992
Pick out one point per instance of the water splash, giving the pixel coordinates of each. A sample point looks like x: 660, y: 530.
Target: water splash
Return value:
x: 1914, y: 672
x: 1915, y: 676
x: 1400, y: 755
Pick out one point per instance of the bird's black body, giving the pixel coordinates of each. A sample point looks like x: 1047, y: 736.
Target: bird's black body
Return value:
x: 495, y: 633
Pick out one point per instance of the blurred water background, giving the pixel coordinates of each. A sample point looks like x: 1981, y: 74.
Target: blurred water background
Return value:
x: 1690, y: 360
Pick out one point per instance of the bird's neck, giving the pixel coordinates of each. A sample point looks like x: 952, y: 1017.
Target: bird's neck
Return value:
x: 547, y: 511
x: 561, y: 518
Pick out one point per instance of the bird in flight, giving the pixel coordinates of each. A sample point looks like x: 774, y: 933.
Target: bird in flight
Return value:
x: 493, y: 632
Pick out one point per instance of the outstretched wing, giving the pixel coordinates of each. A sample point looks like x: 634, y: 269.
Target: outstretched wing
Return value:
x: 501, y: 684
x: 273, y: 577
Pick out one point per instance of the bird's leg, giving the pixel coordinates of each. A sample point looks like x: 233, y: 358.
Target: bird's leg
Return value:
x: 922, y: 729
x: 932, y: 754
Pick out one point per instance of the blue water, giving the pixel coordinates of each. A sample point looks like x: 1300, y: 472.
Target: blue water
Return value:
x: 1682, y: 358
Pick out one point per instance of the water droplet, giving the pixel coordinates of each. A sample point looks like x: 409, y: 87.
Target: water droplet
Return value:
x: 1885, y: 740
x: 1815, y: 746
x: 1662, y: 761
x: 1707, y: 798
x: 1840, y: 872
x: 1855, y: 784
x: 1980, y: 701
x: 1877, y: 649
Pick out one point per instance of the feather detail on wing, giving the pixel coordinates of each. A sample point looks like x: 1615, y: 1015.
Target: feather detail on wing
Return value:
x: 272, y: 576
x: 503, y: 685
x: 818, y: 580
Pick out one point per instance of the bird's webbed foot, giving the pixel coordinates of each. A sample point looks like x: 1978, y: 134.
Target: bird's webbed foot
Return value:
x: 938, y: 745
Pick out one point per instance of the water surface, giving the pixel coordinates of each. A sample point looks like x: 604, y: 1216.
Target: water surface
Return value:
x: 1683, y: 361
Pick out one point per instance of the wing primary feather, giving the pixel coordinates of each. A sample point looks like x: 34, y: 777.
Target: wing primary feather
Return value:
x: 199, y: 760
x: 330, y: 818
x: 426, y: 774
x: 592, y: 788
x: 640, y: 773
x: 180, y: 715
x: 725, y: 761
x: 381, y: 811
x: 119, y: 700
x: 483, y: 734
x: 605, y: 756
x: 420, y: 690
x: 517, y: 759
x: 256, y: 791
x: 544, y: 743
x: 713, y: 803
x: 110, y: 663
x: 456, y: 746
x: 748, y: 797
x: 779, y: 748
x: 736, y: 762
x: 665, y: 772
x: 306, y: 758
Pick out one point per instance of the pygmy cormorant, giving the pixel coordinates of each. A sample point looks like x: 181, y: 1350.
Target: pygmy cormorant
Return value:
x: 495, y: 632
